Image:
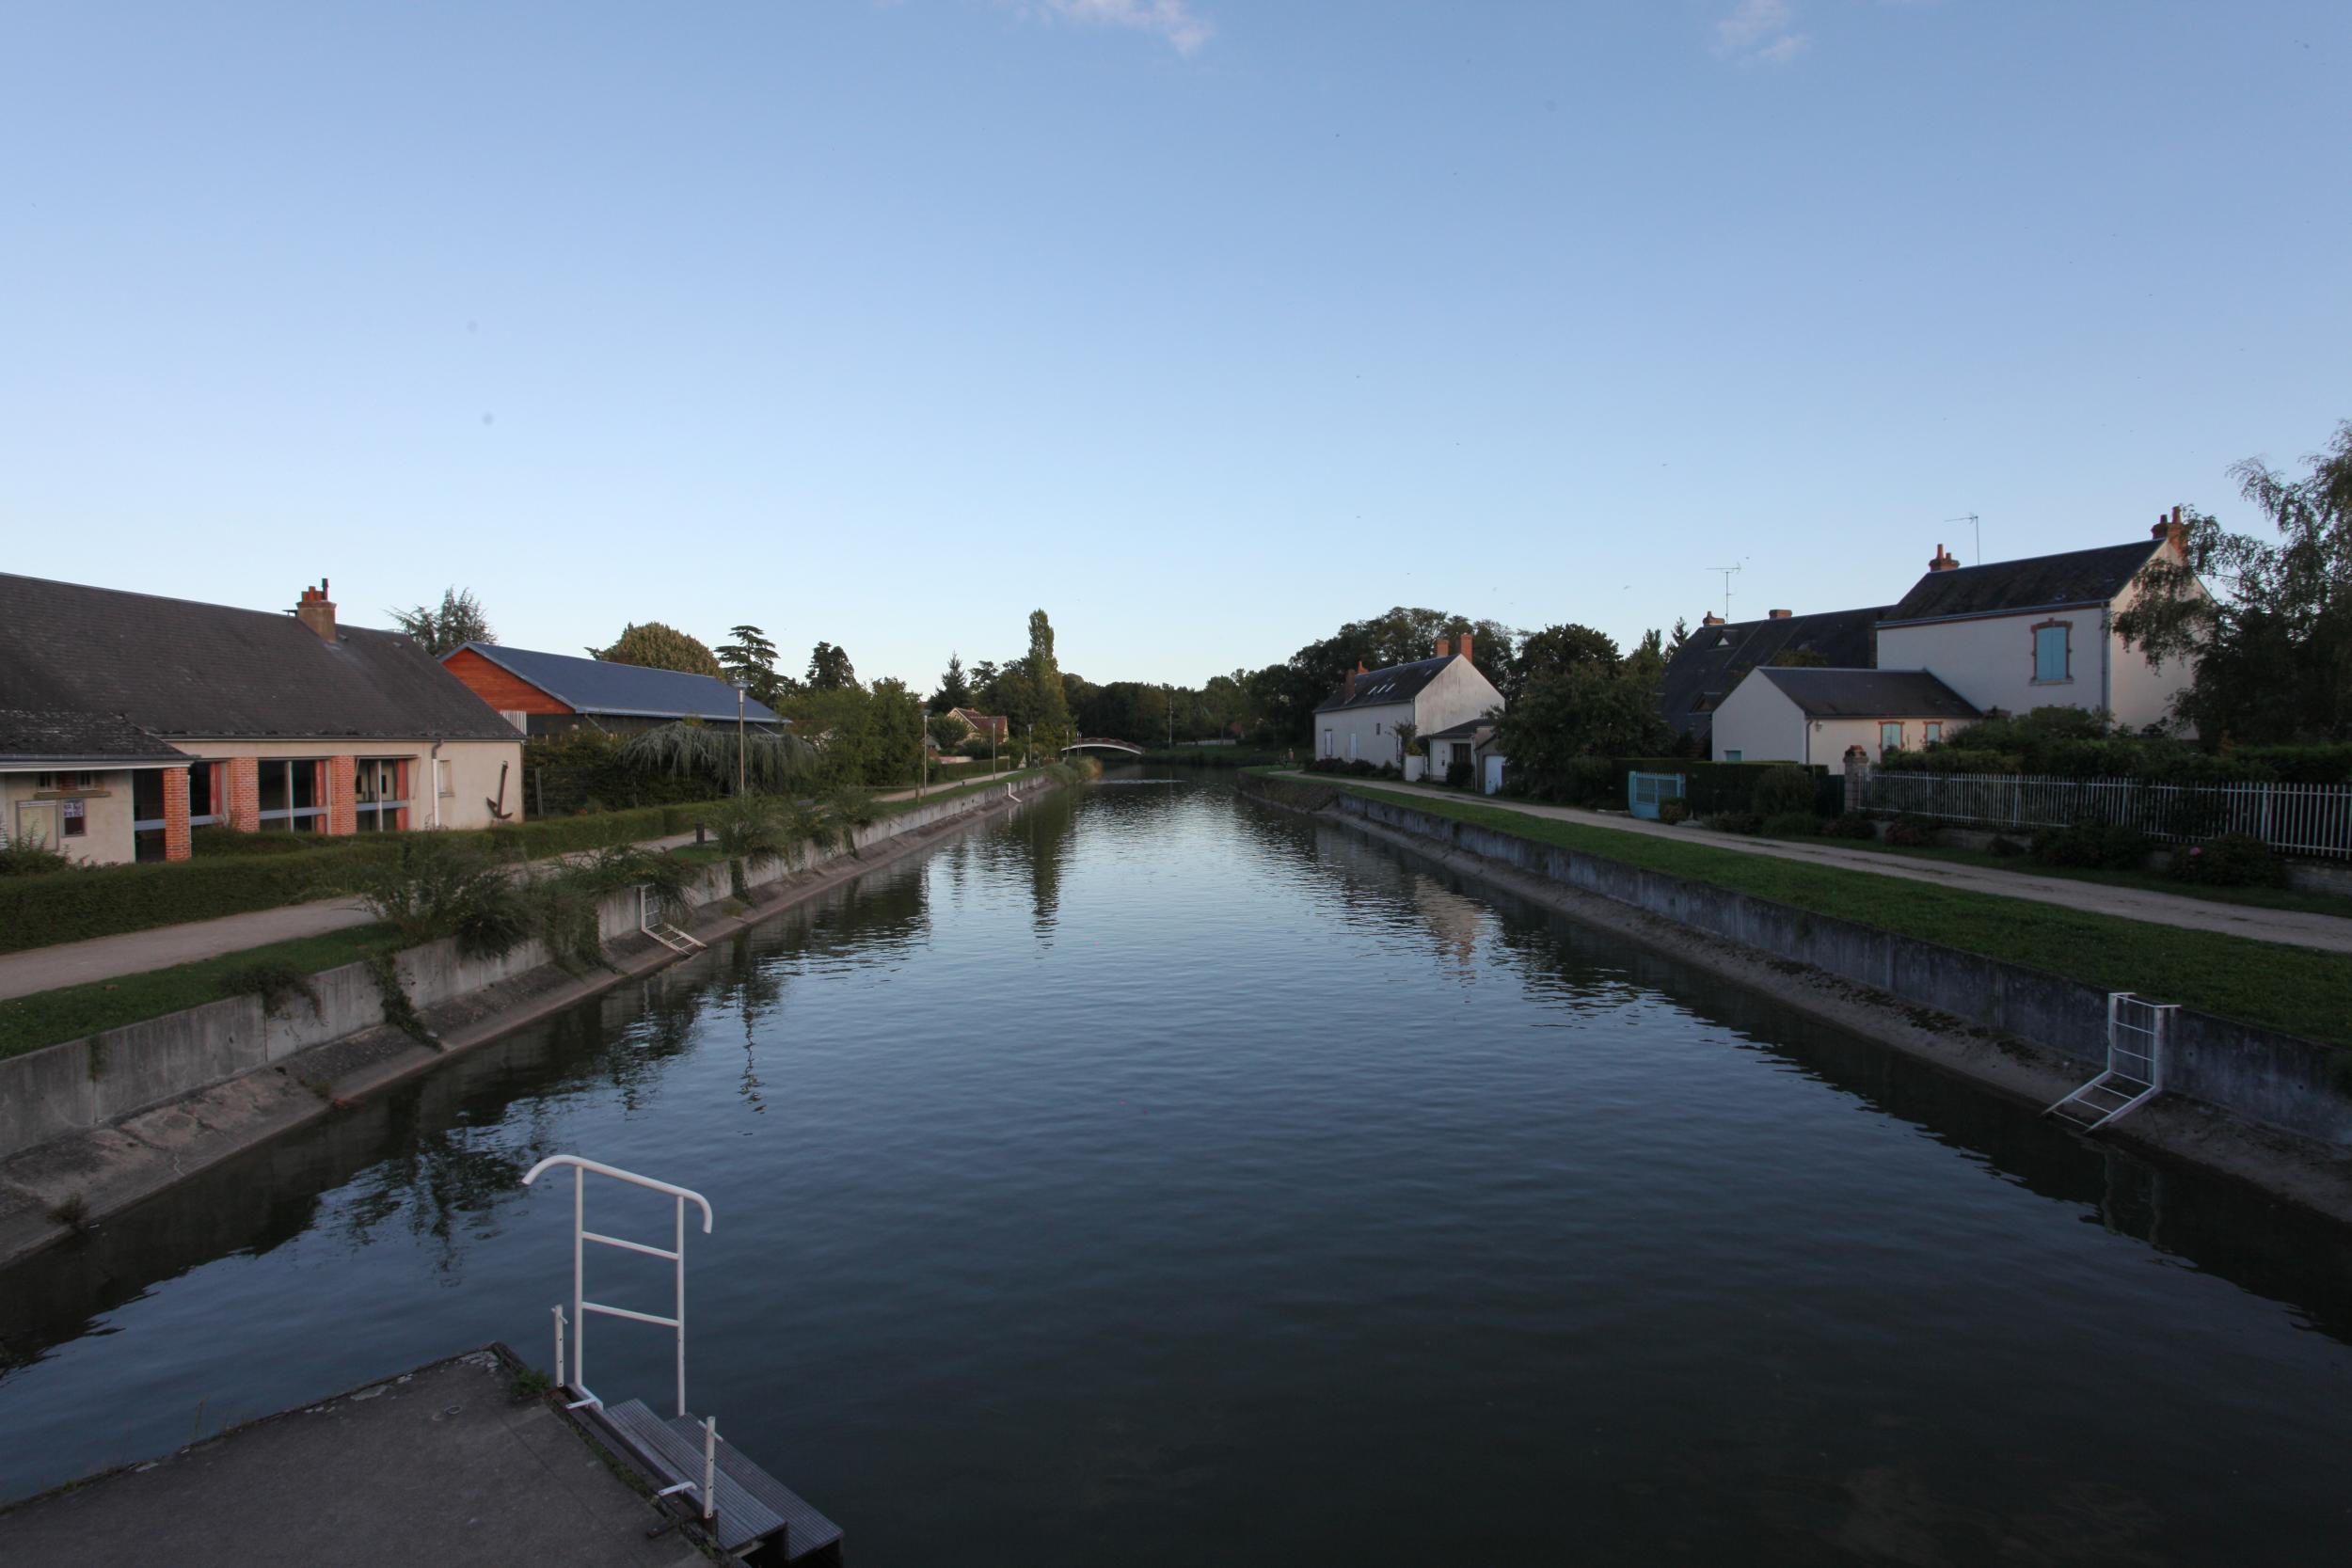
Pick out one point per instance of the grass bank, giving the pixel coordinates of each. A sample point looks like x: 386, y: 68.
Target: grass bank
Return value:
x: 69, y: 1013
x: 2300, y: 991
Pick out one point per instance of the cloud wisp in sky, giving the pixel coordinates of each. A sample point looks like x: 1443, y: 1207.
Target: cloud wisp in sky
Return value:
x: 1171, y: 19
x: 1760, y: 32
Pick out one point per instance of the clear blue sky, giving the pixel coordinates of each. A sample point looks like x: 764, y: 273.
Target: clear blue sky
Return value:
x: 1205, y: 324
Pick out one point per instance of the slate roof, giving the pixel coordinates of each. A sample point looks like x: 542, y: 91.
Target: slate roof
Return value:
x: 1715, y: 658
x: 177, y: 668
x: 1398, y: 683
x: 78, y: 740
x: 1469, y: 728
x: 2037, y: 582
x: 632, y: 690
x: 1869, y: 693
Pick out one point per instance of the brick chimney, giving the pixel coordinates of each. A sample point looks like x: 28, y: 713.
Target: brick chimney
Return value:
x: 1445, y: 647
x: 317, y: 610
x: 2171, y: 530
x: 1780, y: 614
x: 1347, y: 686
x: 1711, y: 619
x: 1465, y: 649
x: 1945, y: 561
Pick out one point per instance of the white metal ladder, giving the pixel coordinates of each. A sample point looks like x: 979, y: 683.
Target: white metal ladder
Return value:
x: 2136, y: 1033
x: 660, y: 930
x: 577, y: 1382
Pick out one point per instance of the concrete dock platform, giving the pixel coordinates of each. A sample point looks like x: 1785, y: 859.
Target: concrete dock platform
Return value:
x: 444, y: 1465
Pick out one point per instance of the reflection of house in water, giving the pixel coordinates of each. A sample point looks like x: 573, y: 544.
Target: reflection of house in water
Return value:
x: 1454, y: 920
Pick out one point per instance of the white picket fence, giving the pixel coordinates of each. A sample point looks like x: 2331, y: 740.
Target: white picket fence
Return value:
x: 2300, y: 819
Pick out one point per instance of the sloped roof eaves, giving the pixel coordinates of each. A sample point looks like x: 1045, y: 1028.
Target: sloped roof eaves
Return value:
x: 1469, y: 728
x: 2065, y: 581
x: 80, y: 740
x: 623, y: 690
x: 1869, y: 693
x: 1387, y: 687
x: 183, y: 667
x: 1714, y: 659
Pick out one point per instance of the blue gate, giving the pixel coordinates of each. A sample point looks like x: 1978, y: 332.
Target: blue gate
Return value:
x: 1645, y: 792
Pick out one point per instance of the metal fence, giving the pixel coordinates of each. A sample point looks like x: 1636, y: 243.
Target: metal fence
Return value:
x: 2301, y: 819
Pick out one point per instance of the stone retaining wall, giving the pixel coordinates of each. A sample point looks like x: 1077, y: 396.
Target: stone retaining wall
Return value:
x: 90, y: 1083
x: 2259, y: 1075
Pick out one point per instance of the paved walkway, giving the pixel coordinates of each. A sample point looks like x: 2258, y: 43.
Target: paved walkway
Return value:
x: 443, y: 1465
x: 76, y: 963
x: 2332, y: 933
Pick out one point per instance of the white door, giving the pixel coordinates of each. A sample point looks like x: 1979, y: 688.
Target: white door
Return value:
x: 1494, y: 774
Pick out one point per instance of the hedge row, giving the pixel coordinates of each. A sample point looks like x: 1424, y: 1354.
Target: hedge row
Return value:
x: 2151, y: 761
x: 68, y: 906
x: 1708, y: 788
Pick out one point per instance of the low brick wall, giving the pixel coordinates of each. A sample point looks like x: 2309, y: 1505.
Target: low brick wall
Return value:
x: 2259, y: 1075
x: 89, y: 1083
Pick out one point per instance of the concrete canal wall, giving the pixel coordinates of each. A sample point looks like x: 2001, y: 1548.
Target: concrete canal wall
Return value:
x: 2278, y: 1080
x: 85, y: 1085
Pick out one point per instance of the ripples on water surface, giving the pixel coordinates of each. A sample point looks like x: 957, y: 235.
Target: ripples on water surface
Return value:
x: 1154, y: 1178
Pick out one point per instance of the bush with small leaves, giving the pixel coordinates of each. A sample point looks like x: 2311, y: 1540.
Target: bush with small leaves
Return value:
x: 1783, y: 791
x: 1913, y: 832
x: 1735, y: 822
x: 2232, y: 860
x: 1853, y: 824
x: 1791, y: 824
x: 1674, y: 812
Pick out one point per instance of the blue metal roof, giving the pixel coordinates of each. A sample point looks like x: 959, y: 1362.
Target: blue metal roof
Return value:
x: 595, y: 685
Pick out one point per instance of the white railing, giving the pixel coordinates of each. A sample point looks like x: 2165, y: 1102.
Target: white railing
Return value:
x: 2302, y: 819
x: 581, y: 1307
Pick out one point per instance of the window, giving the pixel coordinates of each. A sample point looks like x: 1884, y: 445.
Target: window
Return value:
x: 440, y: 778
x: 201, y: 795
x: 377, y: 794
x: 86, y: 781
x: 74, y: 824
x: 44, y: 781
x: 1932, y: 732
x: 1890, y: 738
x: 2052, y: 657
x: 291, y: 796
x: 1731, y: 756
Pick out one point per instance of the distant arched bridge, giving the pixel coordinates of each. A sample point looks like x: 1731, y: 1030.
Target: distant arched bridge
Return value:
x: 1104, y: 743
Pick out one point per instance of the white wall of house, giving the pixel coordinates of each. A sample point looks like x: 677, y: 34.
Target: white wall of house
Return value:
x: 1362, y: 734
x: 105, y: 838
x: 1458, y: 694
x: 1989, y: 659
x: 1758, y: 722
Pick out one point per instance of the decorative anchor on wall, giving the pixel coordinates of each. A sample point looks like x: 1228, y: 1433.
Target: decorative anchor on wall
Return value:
x: 498, y: 807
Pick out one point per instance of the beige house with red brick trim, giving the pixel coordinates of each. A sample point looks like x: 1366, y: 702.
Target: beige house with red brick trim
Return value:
x: 286, y: 722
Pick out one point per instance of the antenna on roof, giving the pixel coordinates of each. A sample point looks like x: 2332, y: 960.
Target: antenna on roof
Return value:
x: 1977, y: 524
x: 1726, y: 571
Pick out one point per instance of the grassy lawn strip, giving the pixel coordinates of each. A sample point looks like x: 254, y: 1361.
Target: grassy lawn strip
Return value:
x: 2147, y: 881
x: 45, y: 1017
x: 2300, y: 991
x: 949, y: 792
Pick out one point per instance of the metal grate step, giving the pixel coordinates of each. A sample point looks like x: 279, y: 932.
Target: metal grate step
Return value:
x: 807, y: 1531
x: 742, y: 1520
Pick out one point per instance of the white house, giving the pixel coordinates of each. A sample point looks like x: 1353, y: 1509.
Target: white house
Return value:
x: 1823, y: 717
x: 2019, y: 634
x: 1358, y: 720
x: 2011, y: 635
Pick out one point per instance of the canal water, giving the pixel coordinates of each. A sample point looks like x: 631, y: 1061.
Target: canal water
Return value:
x: 1155, y: 1178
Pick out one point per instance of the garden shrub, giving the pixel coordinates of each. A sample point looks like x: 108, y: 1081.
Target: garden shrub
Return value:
x: 2006, y: 846
x: 2090, y: 847
x: 96, y: 901
x: 29, y: 857
x: 1458, y: 774
x: 438, y: 885
x: 1782, y: 791
x: 1592, y: 781
x: 1674, y: 811
x: 1734, y: 822
x: 1792, y: 824
x: 1851, y: 824
x: 2232, y: 860
x: 1909, y: 832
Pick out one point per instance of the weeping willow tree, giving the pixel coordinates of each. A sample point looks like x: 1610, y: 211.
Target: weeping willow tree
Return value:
x: 688, y: 750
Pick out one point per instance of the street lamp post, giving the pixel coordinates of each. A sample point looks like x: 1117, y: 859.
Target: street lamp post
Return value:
x: 739, y: 737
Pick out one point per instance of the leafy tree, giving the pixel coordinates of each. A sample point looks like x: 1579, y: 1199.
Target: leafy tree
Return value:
x: 1587, y: 710
x: 829, y: 669
x: 984, y: 675
x: 1682, y: 635
x: 954, y: 691
x: 751, y: 661
x: 2272, y: 647
x: 1053, y: 703
x: 947, y: 731
x: 457, y: 622
x: 655, y: 646
x: 1556, y: 650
